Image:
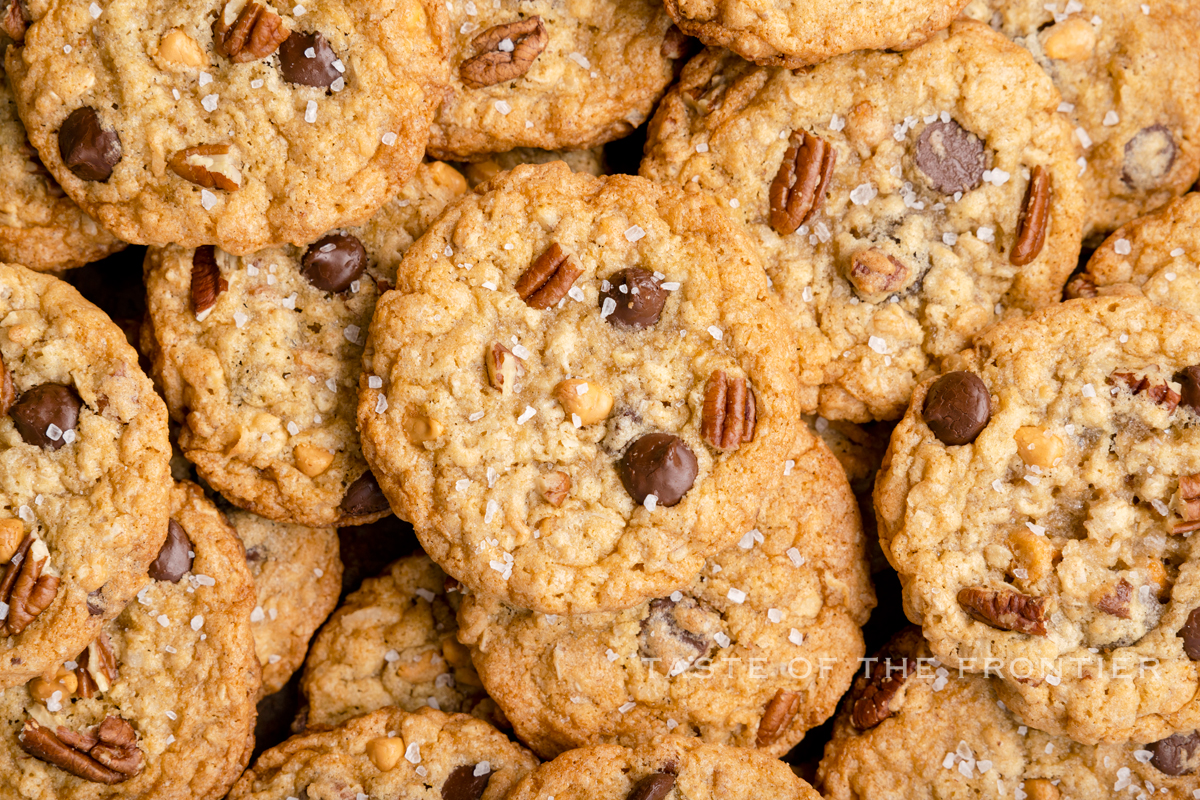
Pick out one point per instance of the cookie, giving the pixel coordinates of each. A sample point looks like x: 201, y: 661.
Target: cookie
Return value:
x: 393, y: 643
x: 858, y: 448
x: 902, y: 201
x: 160, y: 705
x: 297, y: 578
x: 551, y: 75
x: 217, y: 126
x: 391, y: 754
x: 754, y: 653
x: 914, y: 730
x: 1130, y: 87
x: 670, y: 768
x: 589, y: 161
x: 259, y: 357
x: 794, y: 34
x: 1038, y: 502
x: 580, y: 389
x: 83, y: 473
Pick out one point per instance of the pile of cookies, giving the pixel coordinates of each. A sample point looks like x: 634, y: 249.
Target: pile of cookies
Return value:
x: 901, y: 308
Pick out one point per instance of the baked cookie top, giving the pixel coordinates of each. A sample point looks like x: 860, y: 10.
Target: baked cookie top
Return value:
x: 208, y: 121
x: 590, y: 161
x: 580, y: 390
x: 915, y: 730
x: 393, y: 643
x: 669, y: 768
x: 901, y: 201
x: 83, y: 473
x: 391, y: 753
x: 756, y: 651
x: 1039, y: 503
x: 792, y: 34
x: 160, y: 705
x: 1130, y: 87
x: 551, y: 75
x: 297, y: 579
x: 259, y: 358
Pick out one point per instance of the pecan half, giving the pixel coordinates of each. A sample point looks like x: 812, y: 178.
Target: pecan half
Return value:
x: 799, y: 186
x: 1116, y: 602
x: 873, y: 695
x: 779, y: 713
x: 96, y: 667
x: 729, y: 415
x: 504, y: 52
x: 208, y: 165
x: 503, y: 368
x: 874, y: 273
x: 548, y: 278
x: 1156, y: 391
x: 25, y: 588
x: 247, y: 32
x: 8, y: 395
x: 207, y: 283
x: 14, y: 21
x: 1035, y: 216
x: 1005, y: 609
x: 108, y: 754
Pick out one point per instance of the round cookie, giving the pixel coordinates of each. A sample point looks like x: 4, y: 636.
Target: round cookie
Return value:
x: 259, y: 358
x: 1130, y: 87
x: 393, y: 643
x: 297, y: 578
x: 792, y: 34
x: 754, y: 653
x: 669, y: 768
x: 391, y: 754
x: 592, y: 477
x: 1039, y: 503
x: 83, y: 473
x: 207, y: 121
x: 945, y: 210
x: 551, y: 75
x: 160, y: 705
x: 913, y: 730
x: 589, y: 161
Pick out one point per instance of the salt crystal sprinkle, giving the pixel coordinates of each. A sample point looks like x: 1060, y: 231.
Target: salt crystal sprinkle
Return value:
x: 1122, y: 247
x: 634, y: 232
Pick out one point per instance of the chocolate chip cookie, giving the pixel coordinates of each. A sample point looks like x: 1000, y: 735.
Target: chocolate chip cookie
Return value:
x: 83, y: 473
x: 669, y: 768
x: 160, y: 704
x: 914, y: 730
x: 297, y: 578
x: 902, y: 202
x: 393, y: 643
x: 580, y: 389
x: 590, y: 161
x: 391, y: 754
x: 794, y: 34
x: 754, y: 653
x: 1039, y: 502
x: 238, y: 123
x: 1130, y: 88
x: 259, y: 358
x: 552, y: 75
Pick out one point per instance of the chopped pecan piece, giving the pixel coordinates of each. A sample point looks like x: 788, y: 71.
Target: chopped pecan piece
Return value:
x: 503, y: 368
x: 799, y: 186
x: 8, y: 395
x: 108, y: 754
x: 1116, y: 602
x: 96, y: 667
x: 25, y: 588
x: 779, y: 713
x: 875, y: 273
x: 729, y: 414
x: 208, y: 165
x: 1189, y: 504
x: 548, y: 278
x: 504, y: 52
x: 1035, y: 216
x: 1082, y: 285
x: 873, y: 695
x: 207, y: 283
x: 247, y: 31
x: 554, y: 486
x: 1156, y: 391
x: 1005, y: 609
x: 14, y: 21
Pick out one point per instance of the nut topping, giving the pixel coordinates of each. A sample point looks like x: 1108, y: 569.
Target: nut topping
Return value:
x: 1005, y: 609
x: 503, y: 368
x: 587, y: 400
x: 247, y: 32
x: 107, y: 754
x: 96, y: 667
x: 1035, y: 216
x: 28, y: 586
x: 778, y: 714
x: 14, y: 21
x: 1189, y: 504
x: 1116, y: 601
x: 873, y: 695
x: 179, y: 48
x: 876, y: 274
x: 207, y: 283
x: 548, y: 278
x: 7, y: 394
x: 1156, y: 390
x: 729, y: 414
x: 504, y: 52
x: 208, y: 165
x: 799, y: 186
x: 554, y: 486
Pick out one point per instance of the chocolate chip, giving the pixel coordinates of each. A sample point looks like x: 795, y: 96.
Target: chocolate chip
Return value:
x: 1189, y: 387
x: 95, y: 602
x: 676, y: 634
x: 637, y: 296
x: 951, y: 157
x: 1190, y: 633
x: 174, y: 559
x: 654, y: 786
x: 334, y: 262
x: 464, y: 784
x: 658, y: 464
x: 1176, y: 755
x: 45, y: 413
x: 86, y: 148
x: 299, y: 67
x: 957, y: 407
x: 1149, y: 156
x: 364, y: 497
x: 256, y: 555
